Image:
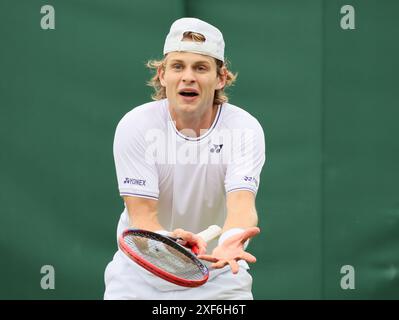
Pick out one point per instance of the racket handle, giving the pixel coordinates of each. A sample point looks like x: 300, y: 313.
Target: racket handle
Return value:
x: 210, y: 233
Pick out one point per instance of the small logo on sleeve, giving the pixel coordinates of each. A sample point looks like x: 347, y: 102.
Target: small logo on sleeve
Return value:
x: 251, y: 179
x: 132, y: 181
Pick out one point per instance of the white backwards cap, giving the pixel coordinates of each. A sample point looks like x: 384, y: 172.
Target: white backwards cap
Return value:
x: 213, y: 45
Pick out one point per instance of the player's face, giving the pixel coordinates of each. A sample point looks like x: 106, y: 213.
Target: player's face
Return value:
x: 190, y: 81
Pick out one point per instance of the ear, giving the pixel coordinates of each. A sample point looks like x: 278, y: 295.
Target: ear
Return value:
x: 161, y: 75
x: 222, y: 79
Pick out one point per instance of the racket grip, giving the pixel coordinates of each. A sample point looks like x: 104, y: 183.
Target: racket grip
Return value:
x: 210, y: 233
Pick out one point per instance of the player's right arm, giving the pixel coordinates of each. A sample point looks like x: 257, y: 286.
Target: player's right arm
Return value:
x: 137, y: 176
x: 136, y: 171
x: 142, y: 213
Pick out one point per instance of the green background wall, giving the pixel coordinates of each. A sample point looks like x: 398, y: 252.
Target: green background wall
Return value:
x: 327, y: 99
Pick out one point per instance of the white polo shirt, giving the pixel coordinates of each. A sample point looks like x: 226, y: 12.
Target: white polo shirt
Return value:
x: 189, y: 177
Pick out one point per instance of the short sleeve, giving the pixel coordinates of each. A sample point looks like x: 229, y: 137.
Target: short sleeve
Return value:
x: 136, y: 172
x: 248, y: 157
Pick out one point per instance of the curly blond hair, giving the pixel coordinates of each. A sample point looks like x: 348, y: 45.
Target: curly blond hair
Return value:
x: 221, y: 68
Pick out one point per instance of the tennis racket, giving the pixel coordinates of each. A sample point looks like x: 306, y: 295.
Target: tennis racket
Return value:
x: 165, y: 257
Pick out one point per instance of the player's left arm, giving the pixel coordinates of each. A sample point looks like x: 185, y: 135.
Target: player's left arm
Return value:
x: 241, y: 183
x: 241, y: 211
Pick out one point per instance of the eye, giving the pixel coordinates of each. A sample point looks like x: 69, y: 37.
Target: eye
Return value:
x: 202, y: 68
x: 177, y: 66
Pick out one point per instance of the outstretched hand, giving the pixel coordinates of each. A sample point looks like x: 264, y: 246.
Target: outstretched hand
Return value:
x: 231, y: 251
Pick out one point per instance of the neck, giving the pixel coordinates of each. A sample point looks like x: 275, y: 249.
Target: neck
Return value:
x: 194, y: 125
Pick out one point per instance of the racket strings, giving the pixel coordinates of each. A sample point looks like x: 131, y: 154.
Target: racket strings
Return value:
x: 173, y: 259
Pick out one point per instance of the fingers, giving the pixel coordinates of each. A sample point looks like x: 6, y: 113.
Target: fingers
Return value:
x: 222, y: 263
x: 245, y: 256
x: 248, y: 257
x: 177, y: 233
x: 249, y: 233
x: 201, y: 244
x: 234, y: 266
x: 195, y: 240
x: 190, y: 239
x: 207, y: 258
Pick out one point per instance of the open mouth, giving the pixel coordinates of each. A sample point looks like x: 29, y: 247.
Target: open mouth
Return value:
x: 188, y: 93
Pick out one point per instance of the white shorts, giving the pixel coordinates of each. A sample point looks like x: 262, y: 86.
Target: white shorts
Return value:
x: 125, y: 280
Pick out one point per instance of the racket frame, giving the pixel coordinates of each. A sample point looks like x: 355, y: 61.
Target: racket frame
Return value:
x: 156, y: 270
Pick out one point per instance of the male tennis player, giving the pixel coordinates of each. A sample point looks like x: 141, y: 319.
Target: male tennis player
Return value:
x: 186, y: 161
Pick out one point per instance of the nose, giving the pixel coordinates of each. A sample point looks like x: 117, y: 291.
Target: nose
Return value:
x: 188, y: 76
